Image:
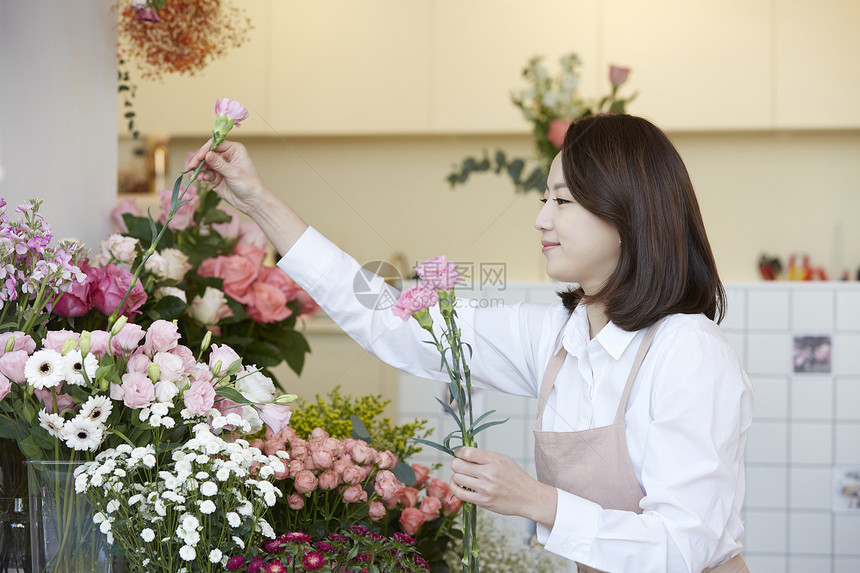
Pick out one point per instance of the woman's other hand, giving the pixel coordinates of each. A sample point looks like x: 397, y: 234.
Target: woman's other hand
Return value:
x: 496, y: 482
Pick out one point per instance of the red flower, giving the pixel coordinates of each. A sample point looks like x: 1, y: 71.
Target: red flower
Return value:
x: 313, y: 561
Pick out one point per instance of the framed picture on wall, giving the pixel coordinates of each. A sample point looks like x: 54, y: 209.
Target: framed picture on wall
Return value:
x: 846, y: 488
x: 812, y: 354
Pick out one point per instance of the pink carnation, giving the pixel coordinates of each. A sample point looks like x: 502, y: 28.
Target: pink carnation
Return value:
x: 234, y: 110
x: 414, y: 300
x: 618, y: 75
x: 438, y: 274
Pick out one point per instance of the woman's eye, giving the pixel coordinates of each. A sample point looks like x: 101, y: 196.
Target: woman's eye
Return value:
x: 542, y: 200
x: 562, y: 201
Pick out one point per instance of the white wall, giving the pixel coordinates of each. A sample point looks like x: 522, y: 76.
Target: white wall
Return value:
x: 58, y: 111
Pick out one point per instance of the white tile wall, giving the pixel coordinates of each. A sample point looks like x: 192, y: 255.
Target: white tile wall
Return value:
x: 812, y: 310
x: 811, y: 443
x: 810, y: 533
x: 847, y: 535
x: 804, y: 564
x: 767, y: 309
x: 811, y: 399
x: 848, y: 444
x: 736, y: 302
x: 810, y: 488
x: 766, y: 531
x: 846, y: 354
x: 846, y: 564
x: 848, y: 399
x: 765, y: 563
x: 767, y: 353
x: 767, y: 487
x: 767, y: 442
x: 771, y: 397
x: 848, y: 310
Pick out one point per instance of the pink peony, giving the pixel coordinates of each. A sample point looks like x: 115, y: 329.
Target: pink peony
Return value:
x: 266, y: 304
x: 414, y: 300
x: 138, y: 390
x: 275, y: 416
x: 354, y: 494
x: 233, y: 110
x: 22, y: 342
x: 618, y: 75
x: 184, y: 217
x: 430, y: 507
x: 411, y: 520
x: 422, y: 474
x: 12, y: 366
x: 438, y: 274
x: 126, y: 341
x: 199, y: 397
x: 125, y: 206
x: 376, y: 511
x: 108, y: 288
x: 557, y: 131
x: 295, y: 501
x: 251, y: 232
x: 5, y: 386
x: 305, y: 481
x: 161, y: 336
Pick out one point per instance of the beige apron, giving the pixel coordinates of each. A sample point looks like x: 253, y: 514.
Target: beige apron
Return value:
x: 594, y: 464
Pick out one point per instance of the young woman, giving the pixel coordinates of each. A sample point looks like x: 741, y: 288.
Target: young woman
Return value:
x: 643, y: 406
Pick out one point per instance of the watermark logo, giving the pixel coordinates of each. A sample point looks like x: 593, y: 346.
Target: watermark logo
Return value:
x: 368, y: 291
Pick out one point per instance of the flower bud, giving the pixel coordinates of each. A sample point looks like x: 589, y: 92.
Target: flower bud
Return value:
x: 104, y: 384
x: 207, y: 340
x: 10, y: 344
x: 285, y: 399
x: 70, y: 344
x: 424, y: 319
x: 118, y: 325
x: 216, y: 369
x: 85, y: 343
x: 154, y: 372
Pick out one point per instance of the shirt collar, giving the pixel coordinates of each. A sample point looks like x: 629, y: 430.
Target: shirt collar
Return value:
x: 575, y: 336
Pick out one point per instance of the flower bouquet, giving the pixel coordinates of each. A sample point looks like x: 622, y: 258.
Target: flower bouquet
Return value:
x: 549, y: 104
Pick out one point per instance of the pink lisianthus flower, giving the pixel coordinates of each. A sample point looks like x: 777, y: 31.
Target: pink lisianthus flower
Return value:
x: 138, y: 390
x: 64, y: 401
x: 161, y: 336
x: 233, y: 110
x: 22, y: 342
x: 199, y: 397
x: 275, y: 416
x: 5, y: 387
x: 438, y: 273
x: 618, y: 75
x: 125, y: 206
x: 184, y: 216
x: 557, y: 131
x: 414, y: 300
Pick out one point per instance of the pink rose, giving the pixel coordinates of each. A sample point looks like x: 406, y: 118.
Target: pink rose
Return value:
x: 250, y: 252
x: 138, y: 390
x: 187, y: 356
x: 438, y: 489
x: 328, y: 480
x: 56, y: 339
x: 309, y: 307
x: 353, y: 475
x: 22, y: 342
x: 361, y: 452
x: 305, y: 481
x: 266, y: 304
x: 322, y: 458
x: 298, y: 448
x: 277, y: 278
x: 12, y: 366
x: 557, y: 131
x: 386, y: 488
x: 408, y: 496
x: 199, y: 397
x: 108, y: 288
x: 251, y: 232
x: 411, y: 520
x: 138, y: 362
x: 275, y: 416
x: 354, y: 494
x: 162, y: 336
x: 387, y: 460
x: 295, y: 501
x: 438, y: 274
x: 451, y: 504
x: 99, y: 342
x: 75, y: 301
x: 210, y: 308
x: 618, y: 75
x: 169, y: 365
x: 64, y: 401
x: 184, y: 217
x: 127, y: 339
x: 232, y: 109
x: 414, y: 300
x: 422, y: 474
x: 296, y: 466
x: 333, y: 445
x: 430, y: 507
x: 223, y: 354
x: 237, y: 272
x: 376, y: 511
x: 230, y: 229
x: 177, y: 264
x: 5, y: 386
x: 116, y: 215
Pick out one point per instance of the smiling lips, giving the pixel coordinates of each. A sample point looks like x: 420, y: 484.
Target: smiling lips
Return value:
x: 547, y: 245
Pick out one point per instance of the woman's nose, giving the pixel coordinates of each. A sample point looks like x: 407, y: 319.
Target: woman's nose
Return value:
x: 543, y: 221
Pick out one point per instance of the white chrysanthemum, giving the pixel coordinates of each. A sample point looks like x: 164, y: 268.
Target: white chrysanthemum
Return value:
x: 284, y: 455
x: 223, y: 474
x: 207, y: 507
x: 159, y: 409
x: 168, y: 422
x: 265, y: 529
x: 112, y: 505
x: 96, y: 408
x: 147, y: 535
x: 270, y: 499
x: 192, y: 538
x: 45, y: 369
x: 188, y: 553
x: 53, y: 423
x: 190, y: 523
x: 233, y: 519
x: 215, y: 555
x: 99, y: 518
x: 238, y: 541
x: 245, y: 508
x: 209, y: 489
x: 149, y: 460
x: 81, y: 434
x: 105, y: 526
x: 201, y: 475
x: 76, y: 365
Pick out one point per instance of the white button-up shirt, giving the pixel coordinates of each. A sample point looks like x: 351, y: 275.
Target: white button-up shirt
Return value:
x: 686, y: 420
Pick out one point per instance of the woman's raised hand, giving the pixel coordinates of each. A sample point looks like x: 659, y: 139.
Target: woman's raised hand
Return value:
x: 231, y: 173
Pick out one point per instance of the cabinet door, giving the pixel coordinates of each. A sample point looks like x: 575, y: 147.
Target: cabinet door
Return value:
x: 350, y: 67
x: 481, y: 46
x: 703, y: 64
x: 817, y: 77
x: 185, y: 105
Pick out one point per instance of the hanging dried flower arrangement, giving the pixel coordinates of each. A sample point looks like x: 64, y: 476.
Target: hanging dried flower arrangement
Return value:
x: 178, y: 36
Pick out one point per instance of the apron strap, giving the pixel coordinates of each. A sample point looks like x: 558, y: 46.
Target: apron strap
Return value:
x: 637, y: 362
x: 548, y: 381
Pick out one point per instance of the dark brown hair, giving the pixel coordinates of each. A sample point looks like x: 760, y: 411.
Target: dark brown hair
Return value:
x: 625, y: 170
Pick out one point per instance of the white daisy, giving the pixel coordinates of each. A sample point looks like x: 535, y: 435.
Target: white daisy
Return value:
x: 45, y: 369
x: 53, y: 423
x: 76, y: 365
x: 97, y: 408
x: 82, y: 433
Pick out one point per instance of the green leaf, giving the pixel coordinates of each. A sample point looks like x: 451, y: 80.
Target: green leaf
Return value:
x: 138, y: 227
x: 10, y: 430
x: 170, y: 307
x: 359, y: 430
x: 482, y: 416
x: 439, y: 447
x: 483, y: 427
x: 404, y: 473
x: 452, y: 412
x: 232, y: 394
x: 262, y: 353
x: 455, y: 434
x: 28, y: 413
x: 217, y: 216
x: 30, y: 449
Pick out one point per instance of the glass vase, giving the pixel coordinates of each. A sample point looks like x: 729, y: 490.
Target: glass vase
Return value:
x: 63, y: 538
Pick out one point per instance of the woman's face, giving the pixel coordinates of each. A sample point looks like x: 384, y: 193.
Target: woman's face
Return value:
x: 579, y: 246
